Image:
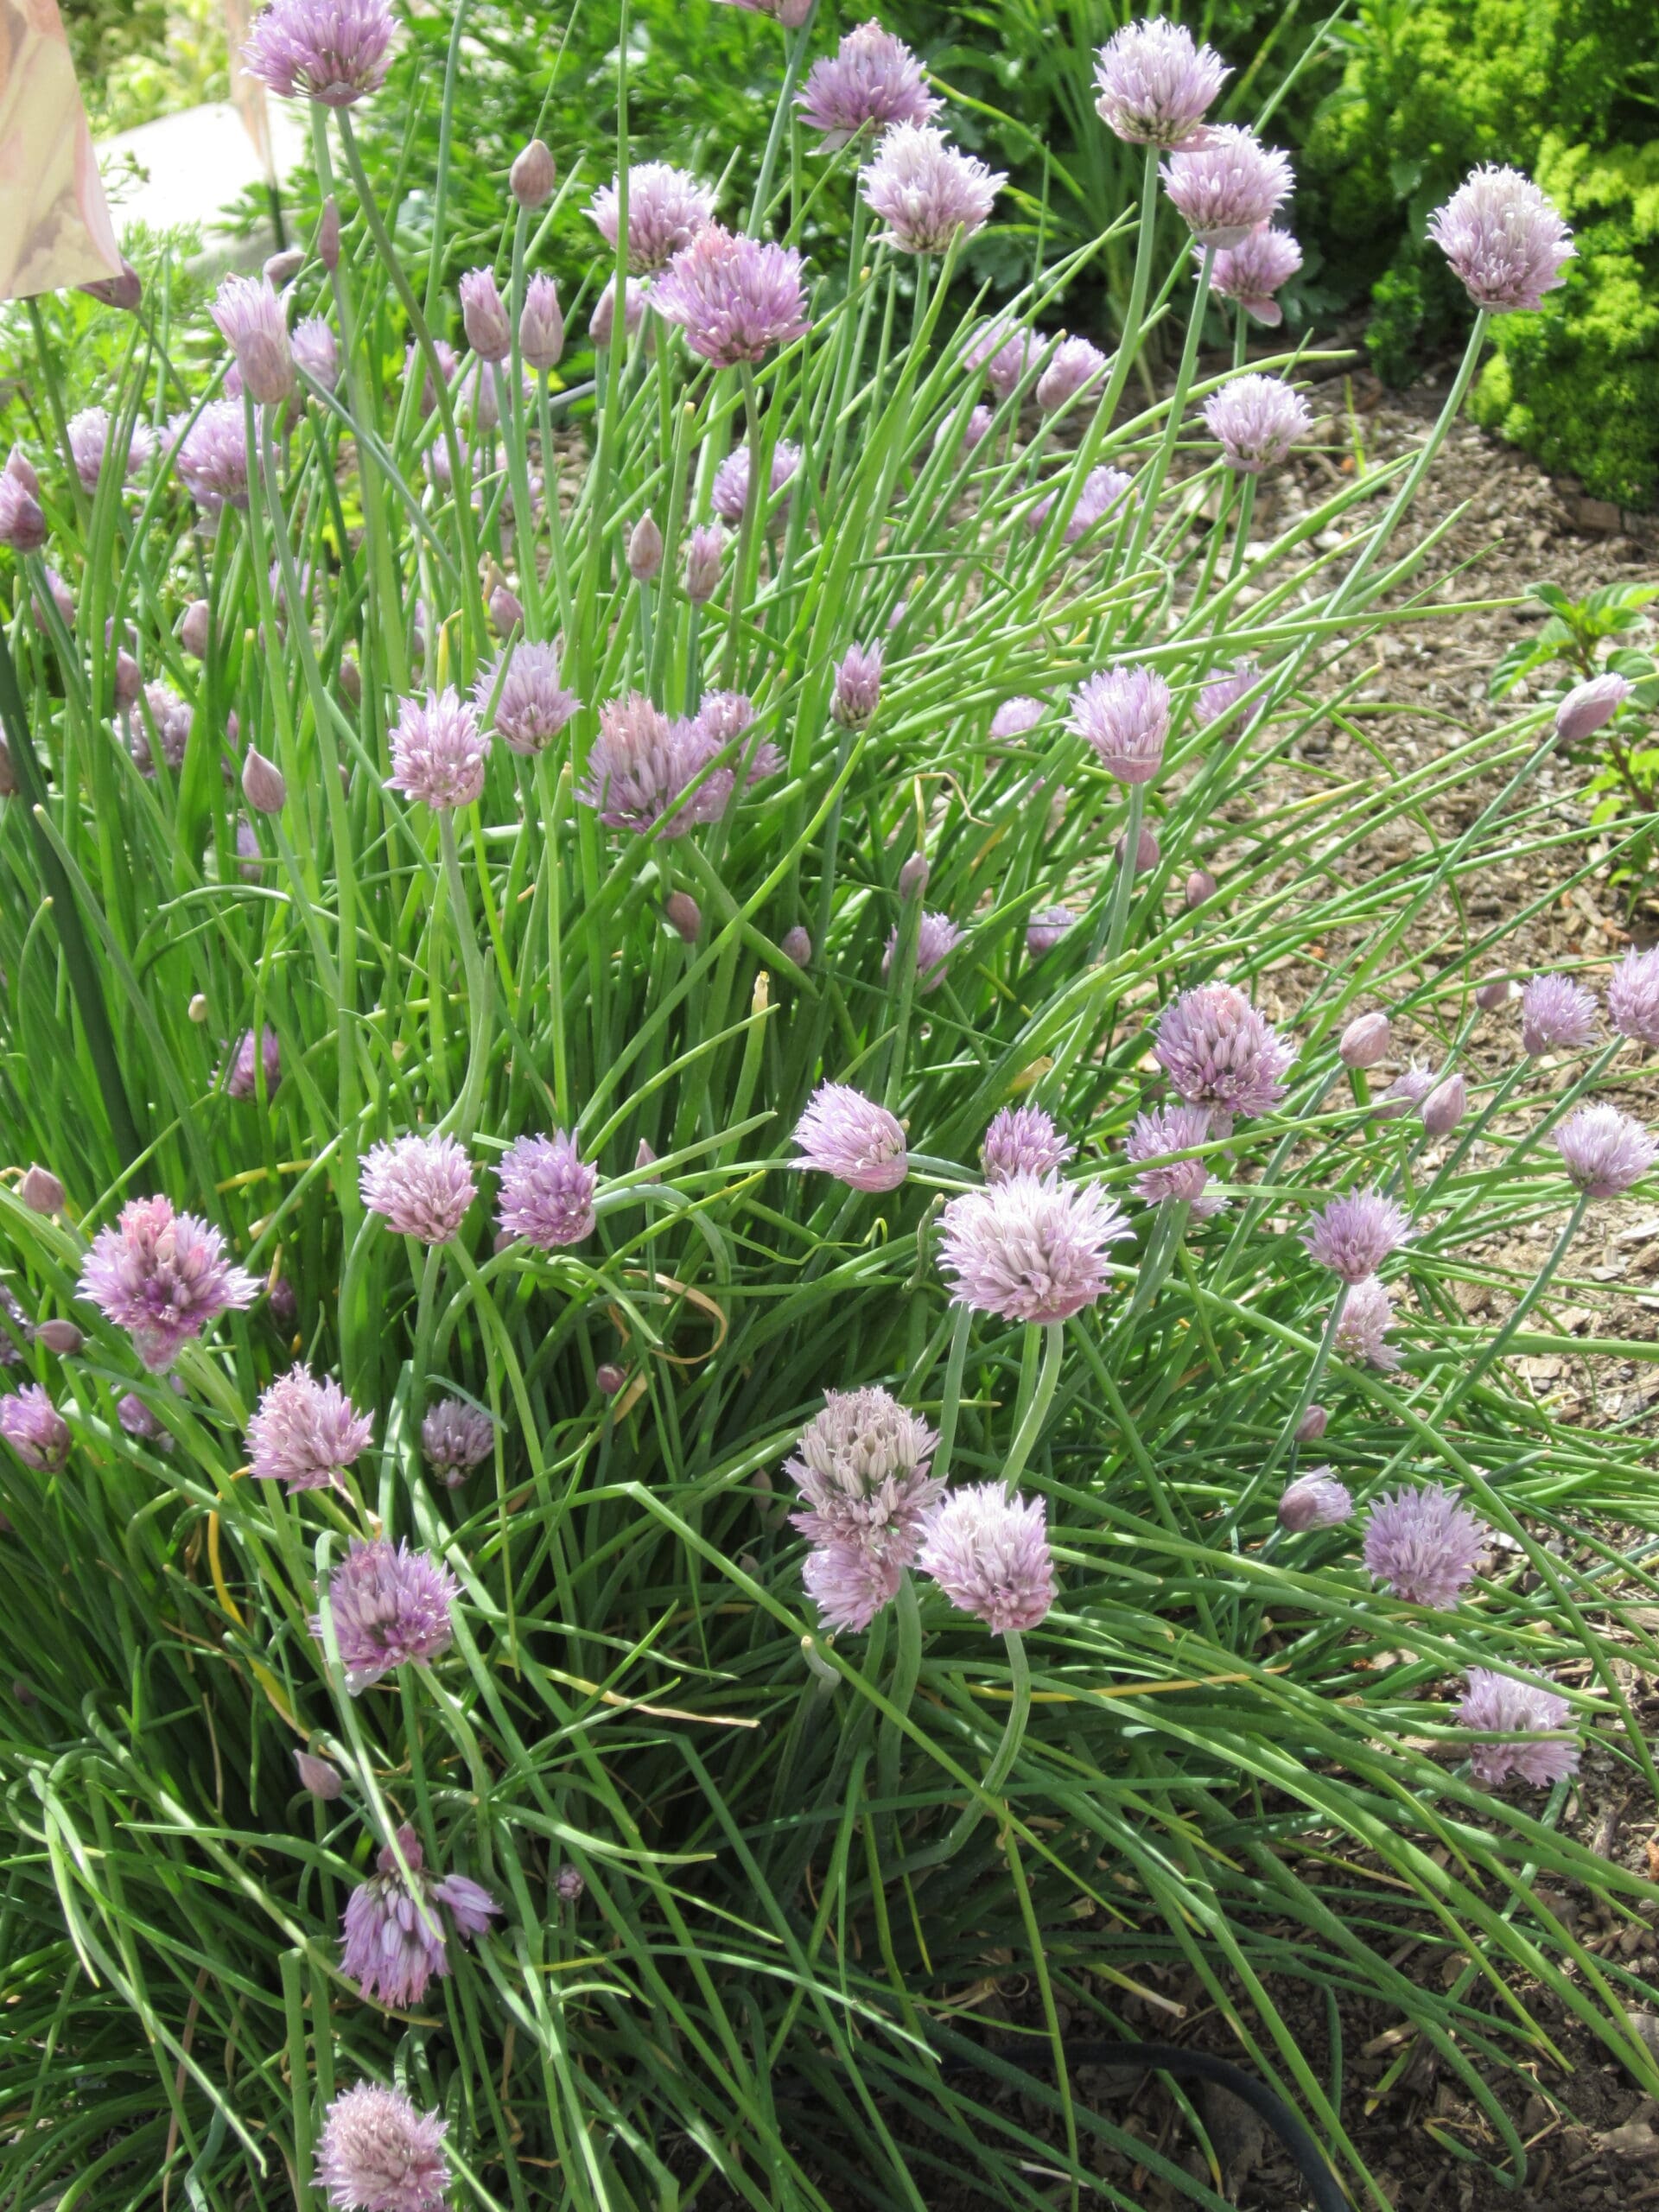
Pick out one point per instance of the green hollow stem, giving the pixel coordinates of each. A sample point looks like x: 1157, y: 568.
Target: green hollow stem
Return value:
x: 1494, y: 1351
x: 794, y: 56
x: 464, y: 1115
x: 1034, y: 1411
x: 1114, y: 923
x: 748, y: 555
x: 1169, y: 1224
x: 1001, y: 1761
x: 1320, y: 1361
x: 1158, y: 468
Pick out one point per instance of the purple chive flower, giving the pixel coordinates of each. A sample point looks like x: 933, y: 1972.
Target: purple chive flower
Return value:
x: 788, y: 14
x: 136, y: 1420
x: 1445, y: 1106
x: 1005, y: 356
x: 937, y: 938
x: 1168, y: 1129
x: 1147, y: 851
x: 1218, y: 1052
x: 734, y: 298
x: 1583, y: 710
x: 40, y: 1190
x: 391, y: 1606
x: 639, y: 764
x: 924, y: 190
x: 34, y: 1428
x: 1252, y: 271
x: 1224, y: 187
x: 251, y: 322
x: 162, y: 730
x: 1524, y: 1708
x: 645, y: 549
x: 89, y: 434
x: 569, y: 1884
x: 394, y: 1941
x: 1367, y: 1317
x: 484, y: 315
x: 532, y: 176
x: 1313, y: 1425
x: 1104, y: 489
x: 1156, y: 86
x: 1123, y: 713
x: 990, y: 1555
x: 1604, y: 1152
x: 241, y: 1076
x: 703, y: 551
x: 1200, y: 888
x: 873, y: 77
x: 23, y: 519
x: 305, y: 1433
x: 424, y: 1186
x: 847, y: 1135
x: 547, y: 1191
x: 378, y: 2154
x: 417, y: 364
x: 1366, y: 1040
x: 1355, y: 1233
x: 1256, y: 420
x: 798, y: 944
x: 1422, y: 1545
x: 1045, y: 929
x: 438, y: 752
x: 731, y: 489
x: 667, y: 207
x: 1406, y: 1092
x: 163, y: 1276
x: 1633, y: 997
x: 319, y: 1777
x: 1505, y: 240
x: 456, y: 1438
x: 316, y: 350
x: 858, y: 686
x: 211, y: 458
x: 1556, y: 1013
x: 848, y: 1584
x: 333, y: 51
x: 1490, y: 996
x: 1015, y: 716
x: 1073, y: 367
x: 541, y: 325
x: 861, y: 1469
x: 1022, y: 1141
x: 531, y: 707
x: 1315, y: 1500
x: 1222, y: 694
x: 1029, y: 1250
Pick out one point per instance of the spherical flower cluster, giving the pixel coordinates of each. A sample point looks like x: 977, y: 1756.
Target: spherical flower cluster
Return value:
x: 316, y: 351
x: 161, y: 733
x: 91, y: 434
x: 1633, y: 997
x: 333, y: 51
x: 250, y: 321
x: 1556, y: 1013
x: 1022, y: 1141
x: 1015, y: 716
x: 730, y: 493
x: 1422, y: 1545
x: 1505, y: 240
x: 1103, y: 491
x: 1123, y: 714
x: 1525, y: 1708
x: 1355, y: 1233
x: 666, y: 209
x: 1315, y: 1500
x: 1604, y: 1152
x: 1072, y: 367
x: 925, y: 190
x: 1218, y: 1052
x: 484, y: 315
x: 423, y: 1184
x: 1256, y: 420
x: 1155, y: 87
x: 1252, y: 271
x: 163, y: 1276
x: 1407, y: 1091
x: 456, y: 1438
x: 658, y: 776
x: 990, y: 1553
x: 845, y: 1135
x: 1155, y: 1135
x: 871, y: 77
x: 252, y: 1057
x: 857, y: 687
x: 34, y: 1428
x: 547, y: 1191
x: 861, y: 1469
x: 937, y: 938
x: 704, y: 548
x: 22, y: 518
x: 1030, y: 1248
x: 1361, y: 1331
x: 1222, y: 188
x: 390, y: 1607
x: 210, y: 458
x: 734, y: 297
x: 305, y: 1433
x: 520, y: 696
x: 1217, y: 698
x: 848, y: 1585
x: 1045, y: 929
x: 394, y: 1941
x: 439, y: 754
x: 377, y: 2153
x: 1006, y: 356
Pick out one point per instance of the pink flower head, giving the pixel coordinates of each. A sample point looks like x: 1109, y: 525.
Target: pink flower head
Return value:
x: 334, y: 51
x: 1604, y: 1152
x: 731, y: 488
x: 484, y: 315
x: 211, y: 458
x: 547, y: 1191
x: 415, y: 363
x: 1073, y: 367
x: 734, y: 298
x: 91, y: 433
x: 1224, y: 187
x: 394, y: 1941
x: 390, y: 1607
x: 530, y: 705
x: 1022, y: 1141
x: 1156, y: 86
x: 924, y: 190
x: 1169, y: 1130
x: 541, y: 325
x: 377, y: 2153
x: 1633, y: 997
x: 1256, y: 420
x: 848, y: 1584
x: 22, y: 518
x: 937, y: 938
x: 788, y: 14
x: 873, y: 77
x: 251, y: 321
x: 1407, y: 1091
x: 1582, y: 711
x: 1030, y: 1248
x: 162, y: 730
x: 1367, y: 1317
x: 1218, y: 1052
x: 456, y: 1438
x: 1252, y: 271
x: 1525, y: 1708
x: 423, y: 1184
x: 316, y: 350
x: 252, y: 1057
x: 1015, y: 716
x: 858, y: 686
x: 640, y: 765
x: 845, y: 1135
x: 34, y: 1428
x: 1556, y: 1013
x: 305, y: 1433
x: 1103, y: 490
x: 861, y: 1469
x: 704, y: 548
x: 163, y: 1276
x: 1355, y: 1233
x: 1505, y: 240
x: 1422, y: 1545
x: 438, y: 752
x: 990, y: 1555
x: 1315, y: 1500
x: 1222, y: 694
x: 1045, y: 929
x: 1123, y: 714
x: 1006, y: 356
x: 666, y: 209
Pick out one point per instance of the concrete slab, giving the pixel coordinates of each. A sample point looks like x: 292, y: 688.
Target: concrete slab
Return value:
x: 187, y: 167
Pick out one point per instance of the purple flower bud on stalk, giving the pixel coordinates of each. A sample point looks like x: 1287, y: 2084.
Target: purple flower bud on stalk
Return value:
x: 507, y: 611
x: 731, y: 487
x: 1604, y: 1152
x: 1355, y: 1233
x: 1366, y: 1040
x: 858, y: 686
x: 1315, y: 1500
x: 163, y: 1276
x: 1256, y: 420
x: 319, y: 1777
x: 394, y: 1943
x: 282, y: 1305
x: 251, y: 860
x: 799, y: 946
x: 351, y: 679
x: 547, y: 1191
x: 1445, y: 1106
x: 163, y: 731
x: 1200, y: 888
x: 36, y: 1430
x: 1219, y: 1052
x: 1405, y: 1092
x: 1525, y: 1708
x: 129, y: 683
x: 925, y: 190
x: 251, y: 321
x: 22, y: 518
x: 1505, y: 240
x: 990, y: 1553
x: 391, y: 1606
x: 1498, y: 992
x: 1422, y: 1545
x: 1168, y: 1129
x: 329, y: 235
x: 684, y: 916
x: 262, y: 785
x: 1252, y: 271
x: 196, y: 629
x: 936, y: 939
x: 645, y: 549
x: 1073, y: 367
x: 1224, y: 187
x: 788, y: 14
x: 610, y: 1377
x: 484, y: 315
x: 40, y: 1190
x: 1005, y: 356
x: 1123, y: 714
x: 377, y: 2153
x: 1367, y: 1317
x: 421, y: 1184
x: 136, y: 1420
x: 1556, y: 1013
x: 912, y: 876
x: 703, y: 550
x: 438, y: 753
x: 531, y: 707
x: 1586, y: 706
x: 531, y: 178
x: 124, y: 292
x: 1022, y: 1141
x: 305, y: 1433
x: 1103, y: 490
x: 316, y: 351
x: 861, y: 1469
x: 1029, y: 1250
x: 333, y: 51
x: 241, y: 1077
x: 734, y: 297
x: 1015, y: 716
x: 872, y: 78
x: 667, y: 207
x: 456, y: 1438
x: 211, y: 458
x: 1156, y: 86
x: 541, y: 325
x: 847, y: 1135
x: 91, y: 433
x: 1313, y: 1425
x: 1147, y: 851
x: 1045, y: 929
x: 1219, y: 697
x: 848, y: 1585
x: 601, y: 326
x: 1633, y: 997
x: 569, y: 1885
x: 417, y: 364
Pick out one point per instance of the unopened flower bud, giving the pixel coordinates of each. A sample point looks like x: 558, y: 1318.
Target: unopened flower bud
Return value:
x: 507, y: 611
x: 1201, y: 887
x: 645, y: 549
x: 646, y: 1155
x: 124, y: 291
x: 283, y: 267
x: 531, y: 176
x: 610, y: 1378
x: 282, y: 1305
x: 351, y: 678
x: 197, y: 1008
x: 799, y: 946
x: 1313, y: 1425
x: 1444, y: 1107
x: 128, y: 682
x: 702, y: 553
x: 1316, y: 1500
x: 328, y: 235
x: 1587, y: 706
x: 485, y: 316
x: 1366, y: 1040
x: 319, y: 1776
x: 912, y: 877
x: 569, y: 1884
x: 1490, y: 996
x: 603, y: 328
x: 683, y: 915
x: 60, y: 1337
x: 262, y: 783
x: 1147, y: 852
x: 196, y: 629
x: 40, y: 1190
x: 541, y: 324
